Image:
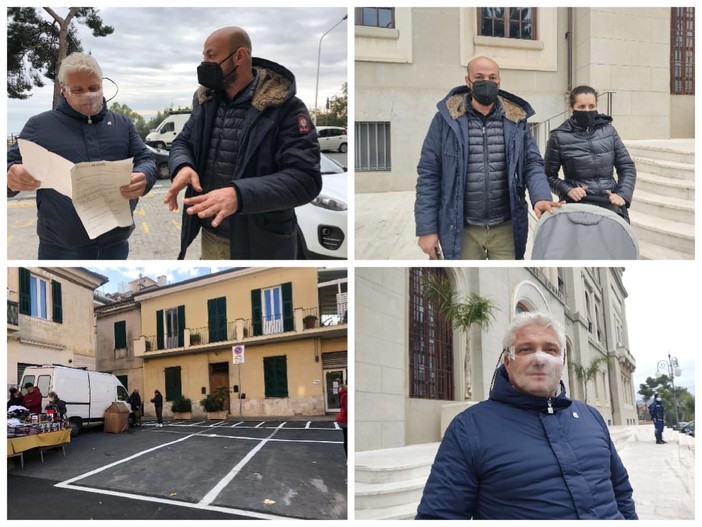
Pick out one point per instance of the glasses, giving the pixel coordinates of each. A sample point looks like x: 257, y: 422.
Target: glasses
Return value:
x: 526, y: 350
x: 81, y: 91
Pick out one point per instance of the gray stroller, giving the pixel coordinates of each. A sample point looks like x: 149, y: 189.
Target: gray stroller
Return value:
x: 579, y: 231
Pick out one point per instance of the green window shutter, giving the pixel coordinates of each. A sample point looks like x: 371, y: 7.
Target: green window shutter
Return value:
x: 121, y: 335
x: 25, y: 298
x: 173, y: 385
x: 288, y: 321
x: 275, y: 376
x: 159, y: 329
x: 181, y: 326
x: 217, y: 319
x: 256, y: 313
x: 56, y: 302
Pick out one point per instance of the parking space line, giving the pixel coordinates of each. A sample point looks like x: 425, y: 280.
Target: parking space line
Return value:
x: 212, y: 494
x: 336, y: 425
x: 153, y: 499
x: 308, y: 424
x: 259, y: 424
x: 237, y: 424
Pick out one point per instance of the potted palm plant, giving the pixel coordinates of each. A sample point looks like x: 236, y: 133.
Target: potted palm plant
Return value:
x: 182, y: 408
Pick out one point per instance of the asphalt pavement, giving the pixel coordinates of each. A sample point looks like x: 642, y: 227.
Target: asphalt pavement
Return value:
x: 188, y: 470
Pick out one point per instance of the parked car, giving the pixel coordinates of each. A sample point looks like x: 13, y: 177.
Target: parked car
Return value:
x: 161, y: 161
x: 689, y: 429
x: 680, y: 425
x: 332, y: 138
x: 323, y: 222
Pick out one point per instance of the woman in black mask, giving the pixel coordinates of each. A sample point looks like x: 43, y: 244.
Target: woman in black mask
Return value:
x: 589, y: 149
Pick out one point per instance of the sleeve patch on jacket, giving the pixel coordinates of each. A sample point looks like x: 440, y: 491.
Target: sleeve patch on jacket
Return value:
x: 304, y: 126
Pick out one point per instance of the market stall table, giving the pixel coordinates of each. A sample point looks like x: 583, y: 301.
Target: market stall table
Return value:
x: 17, y: 446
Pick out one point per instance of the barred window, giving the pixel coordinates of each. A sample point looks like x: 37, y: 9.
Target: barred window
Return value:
x: 376, y: 17
x: 430, y: 343
x: 682, y: 51
x: 373, y: 146
x: 507, y: 22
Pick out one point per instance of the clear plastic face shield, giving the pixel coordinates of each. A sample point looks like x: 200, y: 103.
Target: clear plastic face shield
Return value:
x: 88, y: 100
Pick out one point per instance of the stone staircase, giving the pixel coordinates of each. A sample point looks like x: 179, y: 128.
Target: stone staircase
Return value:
x: 663, y: 210
x: 390, y: 482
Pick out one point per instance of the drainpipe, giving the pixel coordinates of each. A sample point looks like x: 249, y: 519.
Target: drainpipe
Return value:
x: 569, y: 38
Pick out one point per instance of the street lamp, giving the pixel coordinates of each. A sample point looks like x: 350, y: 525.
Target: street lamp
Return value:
x: 319, y: 56
x: 673, y: 370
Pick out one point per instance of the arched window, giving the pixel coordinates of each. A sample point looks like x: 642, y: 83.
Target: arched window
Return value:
x: 430, y: 343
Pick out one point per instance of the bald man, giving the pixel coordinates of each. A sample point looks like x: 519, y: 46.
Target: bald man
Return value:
x: 247, y: 156
x: 477, y: 160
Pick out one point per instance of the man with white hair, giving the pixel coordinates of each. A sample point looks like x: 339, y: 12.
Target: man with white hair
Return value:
x: 80, y: 129
x: 528, y: 452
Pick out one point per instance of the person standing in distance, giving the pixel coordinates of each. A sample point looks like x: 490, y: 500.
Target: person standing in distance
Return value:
x: 247, y: 156
x: 477, y: 160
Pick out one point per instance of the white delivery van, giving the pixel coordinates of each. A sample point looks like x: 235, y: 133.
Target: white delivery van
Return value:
x: 87, y: 394
x: 164, y: 134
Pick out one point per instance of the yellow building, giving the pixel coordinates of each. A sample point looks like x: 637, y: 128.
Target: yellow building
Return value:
x: 50, y: 318
x: 288, y: 326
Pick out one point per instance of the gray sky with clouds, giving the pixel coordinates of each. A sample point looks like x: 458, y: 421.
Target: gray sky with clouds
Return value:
x: 120, y: 276
x: 662, y: 318
x: 154, y: 52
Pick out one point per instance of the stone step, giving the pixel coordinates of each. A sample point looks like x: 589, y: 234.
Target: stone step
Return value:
x: 654, y: 204
x: 666, y: 233
x: 398, y: 512
x: 380, y: 495
x: 650, y: 251
x: 665, y: 168
x: 678, y: 150
x: 395, y: 464
x: 672, y: 188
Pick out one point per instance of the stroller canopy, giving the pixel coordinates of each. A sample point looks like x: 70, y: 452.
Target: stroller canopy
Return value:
x: 584, y: 232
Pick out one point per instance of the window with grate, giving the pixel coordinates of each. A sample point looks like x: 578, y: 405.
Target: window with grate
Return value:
x: 430, y: 343
x: 682, y: 51
x: 373, y: 146
x: 376, y: 17
x: 507, y: 22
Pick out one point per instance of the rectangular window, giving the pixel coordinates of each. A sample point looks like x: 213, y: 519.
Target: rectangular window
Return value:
x: 430, y: 343
x: 507, y: 22
x: 376, y: 17
x: 170, y: 327
x: 173, y: 384
x: 275, y: 375
x: 124, y: 379
x: 121, y: 335
x: 37, y: 293
x: 373, y: 146
x: 272, y: 303
x: 272, y: 309
x: 682, y: 51
x: 217, y: 319
x: 39, y: 297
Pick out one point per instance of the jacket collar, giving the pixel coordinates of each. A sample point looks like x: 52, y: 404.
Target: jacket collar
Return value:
x: 66, y: 108
x: 504, y: 392
x: 516, y: 109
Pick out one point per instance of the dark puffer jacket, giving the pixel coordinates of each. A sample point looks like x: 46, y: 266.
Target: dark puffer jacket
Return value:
x: 589, y: 157
x: 277, y: 168
x: 508, y: 458
x: 438, y: 207
x: 106, y: 136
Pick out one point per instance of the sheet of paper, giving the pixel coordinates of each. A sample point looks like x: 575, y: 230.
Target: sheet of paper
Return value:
x: 92, y: 186
x: 51, y: 169
x: 96, y: 195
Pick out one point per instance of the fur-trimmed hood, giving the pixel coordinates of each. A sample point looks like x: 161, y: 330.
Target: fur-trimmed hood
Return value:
x: 516, y: 109
x: 275, y: 84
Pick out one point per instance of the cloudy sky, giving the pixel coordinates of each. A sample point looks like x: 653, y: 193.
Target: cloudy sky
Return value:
x: 662, y: 318
x: 120, y: 276
x: 153, y: 53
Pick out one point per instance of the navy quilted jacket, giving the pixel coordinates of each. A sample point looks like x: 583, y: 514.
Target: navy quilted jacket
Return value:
x: 508, y: 458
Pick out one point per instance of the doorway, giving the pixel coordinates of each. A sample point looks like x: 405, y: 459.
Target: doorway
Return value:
x: 333, y: 379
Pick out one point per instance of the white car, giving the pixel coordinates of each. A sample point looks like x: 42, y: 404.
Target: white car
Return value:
x: 332, y: 138
x: 322, y: 222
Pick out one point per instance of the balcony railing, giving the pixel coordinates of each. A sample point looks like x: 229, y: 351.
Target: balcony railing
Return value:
x: 303, y: 319
x: 12, y: 313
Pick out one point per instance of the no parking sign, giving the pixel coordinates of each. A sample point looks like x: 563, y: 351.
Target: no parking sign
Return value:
x: 238, y: 352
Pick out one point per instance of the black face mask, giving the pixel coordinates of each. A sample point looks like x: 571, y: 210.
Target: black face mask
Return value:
x: 210, y: 75
x: 485, y: 92
x: 585, y: 119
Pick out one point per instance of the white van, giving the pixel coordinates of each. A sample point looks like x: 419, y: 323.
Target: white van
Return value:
x: 87, y: 394
x: 164, y: 134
